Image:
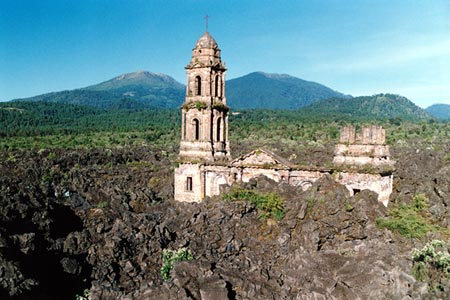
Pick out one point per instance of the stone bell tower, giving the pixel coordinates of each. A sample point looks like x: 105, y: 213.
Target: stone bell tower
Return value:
x: 204, y: 123
x: 204, y: 128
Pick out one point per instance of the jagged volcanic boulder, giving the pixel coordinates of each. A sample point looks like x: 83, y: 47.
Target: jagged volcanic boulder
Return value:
x: 100, y: 219
x: 326, y: 247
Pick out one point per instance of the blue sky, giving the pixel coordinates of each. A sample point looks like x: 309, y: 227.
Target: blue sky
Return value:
x: 356, y: 47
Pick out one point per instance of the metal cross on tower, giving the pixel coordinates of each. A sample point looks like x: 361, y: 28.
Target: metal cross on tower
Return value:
x: 207, y: 18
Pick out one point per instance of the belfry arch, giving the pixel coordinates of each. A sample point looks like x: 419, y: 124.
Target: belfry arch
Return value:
x: 219, y: 129
x: 196, y: 129
x: 217, y: 86
x: 198, y: 85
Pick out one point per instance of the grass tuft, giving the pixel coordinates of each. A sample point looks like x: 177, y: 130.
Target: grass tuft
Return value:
x: 169, y: 257
x: 410, y: 221
x: 270, y: 204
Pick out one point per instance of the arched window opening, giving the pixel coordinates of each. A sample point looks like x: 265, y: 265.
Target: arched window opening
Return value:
x: 218, y: 135
x: 189, y: 184
x: 198, y: 85
x: 196, y: 125
x: 216, y: 86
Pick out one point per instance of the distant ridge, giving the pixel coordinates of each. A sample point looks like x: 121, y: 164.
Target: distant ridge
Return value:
x: 440, y: 111
x: 256, y: 90
x: 275, y: 91
x: 146, y: 88
x: 143, y: 89
x: 380, y: 106
x: 122, y: 83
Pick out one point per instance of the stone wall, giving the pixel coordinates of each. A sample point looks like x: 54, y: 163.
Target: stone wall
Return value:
x: 304, y: 178
x: 356, y: 182
x: 182, y: 192
x: 369, y: 135
x: 355, y: 149
x: 207, y: 179
x: 196, y: 150
x: 367, y: 147
x: 213, y: 177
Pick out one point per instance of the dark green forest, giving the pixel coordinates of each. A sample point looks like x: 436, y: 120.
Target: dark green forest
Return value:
x: 376, y: 107
x: 52, y: 125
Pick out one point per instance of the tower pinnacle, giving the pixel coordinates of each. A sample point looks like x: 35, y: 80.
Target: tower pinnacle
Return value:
x: 206, y: 19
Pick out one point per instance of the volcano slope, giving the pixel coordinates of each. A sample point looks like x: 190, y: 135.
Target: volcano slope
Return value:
x: 98, y: 221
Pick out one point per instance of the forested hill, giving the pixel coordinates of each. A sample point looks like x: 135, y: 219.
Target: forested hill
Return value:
x: 148, y: 88
x: 154, y: 90
x: 275, y: 91
x: 381, y: 106
x: 440, y: 111
x: 142, y: 89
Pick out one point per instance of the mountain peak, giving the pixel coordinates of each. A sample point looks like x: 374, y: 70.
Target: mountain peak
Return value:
x: 272, y: 75
x: 275, y: 91
x: 138, y: 78
x: 142, y: 74
x: 254, y: 90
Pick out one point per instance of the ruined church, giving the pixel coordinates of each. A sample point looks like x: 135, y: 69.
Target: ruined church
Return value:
x: 361, y: 159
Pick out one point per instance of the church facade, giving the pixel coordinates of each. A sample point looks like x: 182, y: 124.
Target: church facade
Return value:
x: 361, y: 160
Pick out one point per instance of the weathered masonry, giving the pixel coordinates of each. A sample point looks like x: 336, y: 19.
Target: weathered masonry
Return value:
x: 204, y: 127
x: 361, y: 160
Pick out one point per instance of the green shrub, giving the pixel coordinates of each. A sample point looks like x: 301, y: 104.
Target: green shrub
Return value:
x: 348, y: 207
x: 200, y: 105
x: 103, y: 204
x: 84, y: 296
x: 51, y: 156
x: 447, y: 157
x: 409, y: 220
x: 270, y: 204
x: 419, y: 271
x: 433, y: 256
x: 220, y: 106
x: 419, y: 202
x: 171, y: 256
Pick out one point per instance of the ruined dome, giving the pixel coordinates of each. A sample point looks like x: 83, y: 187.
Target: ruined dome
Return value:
x: 206, y: 41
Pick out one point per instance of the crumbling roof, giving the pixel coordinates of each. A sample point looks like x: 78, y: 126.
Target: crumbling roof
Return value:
x: 263, y: 159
